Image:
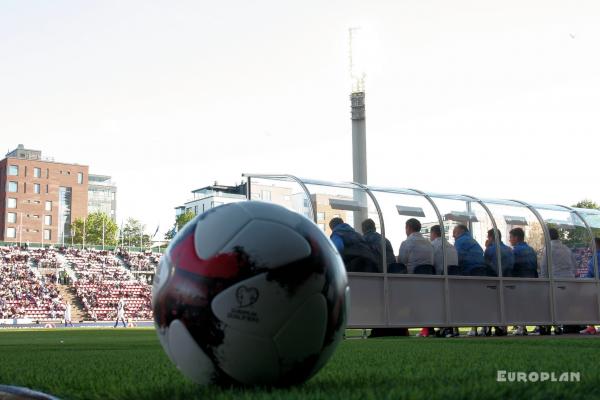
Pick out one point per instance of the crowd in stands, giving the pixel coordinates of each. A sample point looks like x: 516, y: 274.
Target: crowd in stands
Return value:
x: 44, y: 258
x: 139, y: 262
x: 102, y: 281
x: 23, y: 293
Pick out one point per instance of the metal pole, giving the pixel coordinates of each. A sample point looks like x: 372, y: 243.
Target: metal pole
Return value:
x: 548, y: 247
x: 21, y: 231
x: 498, y: 256
x: 359, y: 152
x: 102, y: 233
x: 447, y: 309
x: 311, y: 204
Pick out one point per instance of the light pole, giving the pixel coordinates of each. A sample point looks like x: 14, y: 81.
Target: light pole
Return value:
x: 21, y: 230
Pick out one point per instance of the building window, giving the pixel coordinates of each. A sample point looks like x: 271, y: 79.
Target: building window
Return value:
x: 11, y: 233
x: 47, y: 234
x: 13, y: 170
x: 47, y: 219
x: 36, y: 188
x: 46, y: 188
x: 48, y: 206
x: 47, y: 173
x: 11, y: 218
x: 11, y: 203
x: 320, y: 216
x: 12, y: 187
x: 37, y: 172
x: 322, y: 226
x: 80, y: 178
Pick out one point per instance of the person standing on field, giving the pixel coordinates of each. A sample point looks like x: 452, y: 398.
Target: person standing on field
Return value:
x: 120, y: 313
x: 68, y: 315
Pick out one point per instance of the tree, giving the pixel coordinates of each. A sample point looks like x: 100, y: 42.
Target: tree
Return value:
x: 180, y: 222
x: 95, y: 224
x: 577, y: 236
x: 183, y: 219
x: 594, y: 220
x: 586, y: 203
x: 131, y: 233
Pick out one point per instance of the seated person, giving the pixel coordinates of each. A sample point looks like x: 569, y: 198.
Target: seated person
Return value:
x: 470, y: 253
x: 563, y: 263
x: 373, y: 239
x: 525, y: 257
x: 507, y: 259
x: 590, y: 272
x: 415, y: 250
x: 435, y: 235
x: 353, y: 248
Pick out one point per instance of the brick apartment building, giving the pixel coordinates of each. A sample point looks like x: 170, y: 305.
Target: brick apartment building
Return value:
x: 40, y: 198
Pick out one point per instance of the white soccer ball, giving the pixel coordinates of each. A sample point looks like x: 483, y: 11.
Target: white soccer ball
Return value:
x: 250, y: 293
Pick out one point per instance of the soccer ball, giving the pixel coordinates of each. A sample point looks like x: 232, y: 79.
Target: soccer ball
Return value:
x: 250, y: 293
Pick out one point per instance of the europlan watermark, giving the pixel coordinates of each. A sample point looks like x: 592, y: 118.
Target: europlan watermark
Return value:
x: 534, y: 377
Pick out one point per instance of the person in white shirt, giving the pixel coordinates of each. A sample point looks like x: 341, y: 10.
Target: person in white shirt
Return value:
x: 563, y: 262
x: 435, y: 235
x: 415, y: 250
x: 68, y: 315
x: 120, y: 313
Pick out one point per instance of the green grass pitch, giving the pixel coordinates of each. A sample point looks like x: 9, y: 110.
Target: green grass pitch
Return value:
x: 130, y: 364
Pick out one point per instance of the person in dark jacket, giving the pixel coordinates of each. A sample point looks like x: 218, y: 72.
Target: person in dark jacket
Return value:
x: 525, y: 262
x: 506, y: 255
x: 590, y: 271
x: 353, y: 248
x: 525, y: 257
x: 470, y: 253
x: 373, y: 239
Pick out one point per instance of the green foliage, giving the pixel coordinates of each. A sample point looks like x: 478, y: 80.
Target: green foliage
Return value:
x: 585, y: 203
x: 130, y: 364
x: 183, y: 219
x: 94, y: 225
x: 132, y: 232
x: 180, y: 222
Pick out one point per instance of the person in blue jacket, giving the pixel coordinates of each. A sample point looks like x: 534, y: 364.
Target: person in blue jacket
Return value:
x: 353, y: 248
x: 373, y: 239
x: 470, y: 253
x: 590, y: 272
x: 525, y: 257
x: 507, y: 258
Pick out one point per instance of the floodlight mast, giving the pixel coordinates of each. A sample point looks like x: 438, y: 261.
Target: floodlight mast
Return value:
x: 359, y: 131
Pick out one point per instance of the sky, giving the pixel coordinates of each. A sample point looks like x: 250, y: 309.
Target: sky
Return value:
x: 495, y: 99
